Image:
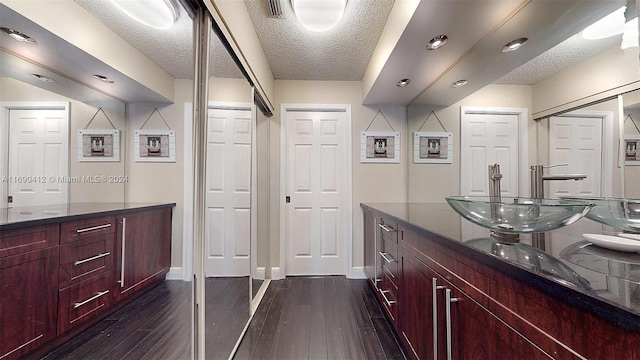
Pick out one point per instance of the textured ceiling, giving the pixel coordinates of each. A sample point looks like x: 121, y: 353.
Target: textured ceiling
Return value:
x: 564, y: 55
x: 171, y: 49
x: 341, y: 53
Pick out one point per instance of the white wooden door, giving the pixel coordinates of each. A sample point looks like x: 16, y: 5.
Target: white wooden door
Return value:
x: 316, y: 183
x: 577, y: 142
x: 488, y: 137
x: 38, y: 157
x: 228, y: 190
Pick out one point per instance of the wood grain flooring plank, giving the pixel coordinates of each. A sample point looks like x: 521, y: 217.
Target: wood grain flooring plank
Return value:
x: 350, y: 329
x: 388, y: 340
x: 317, y: 326
x: 371, y: 343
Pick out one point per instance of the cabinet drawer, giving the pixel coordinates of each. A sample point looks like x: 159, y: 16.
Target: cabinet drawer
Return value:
x: 84, y: 301
x: 389, y: 258
x: 85, y: 258
x: 18, y: 241
x: 388, y: 292
x: 389, y: 230
x: 82, y: 229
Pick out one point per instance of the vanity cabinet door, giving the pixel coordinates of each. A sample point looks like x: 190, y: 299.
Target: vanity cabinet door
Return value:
x: 28, y: 301
x: 471, y: 331
x: 143, y: 250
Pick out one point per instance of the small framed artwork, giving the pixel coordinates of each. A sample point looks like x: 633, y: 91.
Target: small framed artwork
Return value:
x: 380, y: 147
x: 433, y: 147
x: 154, y: 145
x: 98, y: 145
x: 632, y: 150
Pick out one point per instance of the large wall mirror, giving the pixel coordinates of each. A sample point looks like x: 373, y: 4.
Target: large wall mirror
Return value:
x: 45, y: 113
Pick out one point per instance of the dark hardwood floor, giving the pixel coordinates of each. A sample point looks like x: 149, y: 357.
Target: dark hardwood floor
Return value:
x: 299, y: 318
x: 319, y: 318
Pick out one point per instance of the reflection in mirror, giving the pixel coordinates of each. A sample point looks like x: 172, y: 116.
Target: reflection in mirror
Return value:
x: 50, y: 119
x: 631, y: 144
x: 230, y: 201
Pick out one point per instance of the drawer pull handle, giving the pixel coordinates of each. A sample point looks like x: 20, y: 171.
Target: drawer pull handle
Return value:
x: 389, y: 302
x: 80, y: 231
x: 91, y: 258
x: 447, y: 303
x: 98, y: 295
x: 384, y: 256
x: 385, y: 228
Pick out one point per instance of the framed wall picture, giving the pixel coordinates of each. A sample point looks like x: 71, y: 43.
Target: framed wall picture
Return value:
x: 154, y: 145
x: 433, y: 147
x: 97, y: 145
x: 632, y: 150
x: 380, y: 147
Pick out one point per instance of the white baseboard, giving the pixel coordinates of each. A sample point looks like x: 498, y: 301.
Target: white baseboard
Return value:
x: 357, y: 272
x: 259, y: 273
x: 175, y: 273
x: 276, y: 273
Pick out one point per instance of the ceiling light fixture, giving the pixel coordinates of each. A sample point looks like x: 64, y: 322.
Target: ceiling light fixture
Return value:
x: 403, y: 82
x: 318, y: 15
x: 103, y: 78
x: 18, y: 36
x: 437, y: 42
x: 459, y: 83
x: 158, y: 14
x: 43, y: 78
x: 610, y: 25
x: 514, y: 45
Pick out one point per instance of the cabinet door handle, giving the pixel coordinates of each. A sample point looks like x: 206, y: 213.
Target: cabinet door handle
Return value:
x: 384, y: 256
x: 96, y: 296
x: 122, y: 252
x: 385, y: 228
x: 434, y: 306
x: 384, y: 292
x: 91, y: 258
x: 80, y: 231
x: 447, y: 303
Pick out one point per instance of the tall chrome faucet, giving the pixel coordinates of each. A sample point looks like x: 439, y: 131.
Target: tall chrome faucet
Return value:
x: 537, y: 192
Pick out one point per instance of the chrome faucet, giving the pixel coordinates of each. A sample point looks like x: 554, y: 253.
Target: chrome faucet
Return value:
x: 495, y: 198
x: 537, y: 192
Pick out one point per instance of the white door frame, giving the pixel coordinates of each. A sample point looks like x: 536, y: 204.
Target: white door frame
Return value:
x: 280, y: 272
x: 606, y: 185
x: 6, y: 107
x: 187, y: 231
x: 524, y: 178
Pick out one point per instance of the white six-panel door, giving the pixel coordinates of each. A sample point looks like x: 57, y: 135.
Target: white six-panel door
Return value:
x: 39, y: 157
x: 316, y: 183
x: 577, y: 142
x: 228, y: 179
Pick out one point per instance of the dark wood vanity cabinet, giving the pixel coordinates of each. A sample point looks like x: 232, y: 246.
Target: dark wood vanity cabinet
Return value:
x: 451, y: 306
x: 143, y: 250
x: 57, y: 279
x: 28, y: 289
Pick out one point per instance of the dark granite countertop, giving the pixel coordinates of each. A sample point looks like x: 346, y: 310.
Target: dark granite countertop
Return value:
x: 596, y: 283
x: 18, y: 217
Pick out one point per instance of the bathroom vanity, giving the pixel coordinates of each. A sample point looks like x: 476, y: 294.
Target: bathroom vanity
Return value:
x: 448, y: 297
x: 64, y: 267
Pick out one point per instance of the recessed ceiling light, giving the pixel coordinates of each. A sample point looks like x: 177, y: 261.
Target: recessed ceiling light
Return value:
x: 437, y: 42
x: 459, y: 83
x: 318, y: 15
x: 158, y: 14
x: 43, y: 78
x: 18, y: 36
x: 103, y: 78
x: 403, y: 82
x: 514, y: 45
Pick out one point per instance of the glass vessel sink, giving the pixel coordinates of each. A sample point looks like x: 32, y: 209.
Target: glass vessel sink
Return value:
x: 617, y: 212
x: 519, y: 215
